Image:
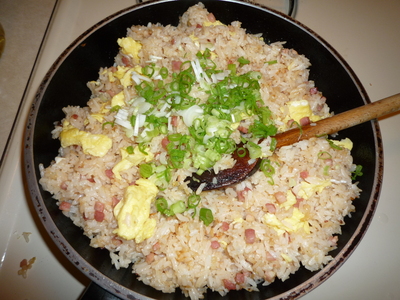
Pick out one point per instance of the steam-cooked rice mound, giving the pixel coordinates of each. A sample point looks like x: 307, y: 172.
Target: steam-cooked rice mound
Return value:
x: 262, y: 229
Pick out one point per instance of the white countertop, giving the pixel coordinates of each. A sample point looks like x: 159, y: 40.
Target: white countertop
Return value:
x: 364, y: 32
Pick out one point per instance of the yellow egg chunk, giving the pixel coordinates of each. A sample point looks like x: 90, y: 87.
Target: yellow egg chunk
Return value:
x: 92, y: 144
x: 216, y: 23
x: 124, y: 74
x: 130, y: 160
x: 286, y: 257
x: 272, y: 221
x: 98, y: 117
x: 345, y: 143
x: 111, y: 77
x: 121, y: 70
x: 238, y: 220
x: 133, y: 211
x: 130, y: 47
x: 193, y: 37
x: 301, y: 109
x: 118, y: 99
x: 307, y: 189
x: 126, y: 80
x: 295, y: 222
x: 290, y: 200
x: 292, y: 224
x: 138, y: 69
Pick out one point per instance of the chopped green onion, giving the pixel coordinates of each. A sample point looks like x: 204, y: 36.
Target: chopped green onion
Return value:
x: 231, y: 98
x: 142, y: 148
x: 115, y: 108
x: 260, y: 130
x: 298, y: 126
x: 164, y: 174
x: 206, y: 216
x: 272, y: 62
x: 268, y: 170
x: 178, y: 207
x: 326, y: 170
x: 129, y: 149
x: 254, y: 150
x: 213, y: 155
x: 175, y: 208
x: 232, y: 68
x: 265, y: 115
x: 202, y: 162
x: 333, y: 145
x: 255, y: 76
x: 176, y: 157
x: 357, y: 172
x: 158, y: 94
x: 207, y: 53
x: 148, y: 70
x: 193, y: 200
x: 107, y: 123
x: 273, y: 144
x: 146, y: 170
x: 164, y: 72
x: 241, y: 152
x: 175, y: 137
x: 242, y: 61
x: 161, y: 205
x: 132, y: 120
x: 324, y: 155
x: 153, y: 133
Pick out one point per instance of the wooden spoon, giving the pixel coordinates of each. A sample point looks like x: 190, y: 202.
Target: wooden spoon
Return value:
x: 243, y: 169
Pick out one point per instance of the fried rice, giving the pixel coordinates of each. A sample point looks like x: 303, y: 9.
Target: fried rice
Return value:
x: 262, y: 229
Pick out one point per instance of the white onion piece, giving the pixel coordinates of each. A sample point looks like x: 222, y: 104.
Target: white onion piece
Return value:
x: 190, y: 114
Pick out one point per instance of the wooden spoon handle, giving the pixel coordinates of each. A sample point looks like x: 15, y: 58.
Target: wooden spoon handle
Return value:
x: 340, y: 121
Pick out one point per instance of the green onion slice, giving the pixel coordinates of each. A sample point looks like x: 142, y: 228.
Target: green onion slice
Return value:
x: 272, y: 62
x: 268, y: 170
x: 206, y: 216
x: 193, y: 200
x: 178, y: 207
x: 241, y: 152
x: 129, y: 149
x: 357, y: 172
x: 324, y: 155
x: 146, y: 170
x: 161, y: 204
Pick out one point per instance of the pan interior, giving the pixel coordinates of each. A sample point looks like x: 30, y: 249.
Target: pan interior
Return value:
x: 65, y: 84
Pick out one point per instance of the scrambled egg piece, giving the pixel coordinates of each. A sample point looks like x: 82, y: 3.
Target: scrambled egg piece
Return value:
x: 111, y: 77
x: 130, y: 47
x: 345, y: 143
x: 132, y: 212
x: 223, y: 244
x: 292, y: 224
x: 290, y: 200
x: 93, y: 144
x: 121, y: 70
x: 100, y: 116
x: 126, y: 80
x: 307, y: 189
x: 216, y: 23
x: 300, y: 109
x: 286, y: 257
x: 130, y: 160
x: 124, y: 74
x: 118, y: 99
x: 238, y: 220
x: 193, y: 37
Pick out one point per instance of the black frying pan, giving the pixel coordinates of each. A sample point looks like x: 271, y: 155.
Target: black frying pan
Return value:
x: 65, y: 84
